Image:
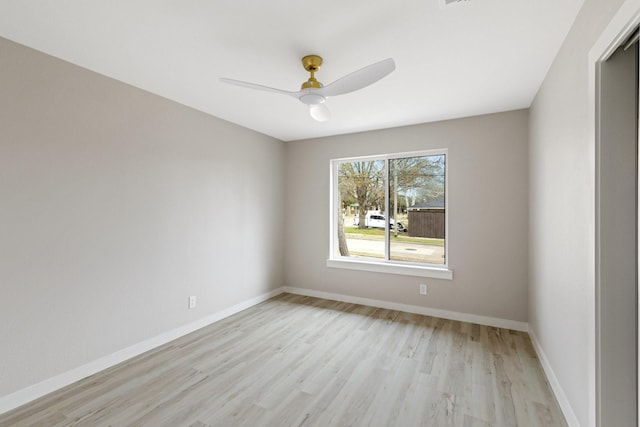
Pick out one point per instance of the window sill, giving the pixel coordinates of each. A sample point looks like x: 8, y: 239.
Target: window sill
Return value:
x: 383, y: 267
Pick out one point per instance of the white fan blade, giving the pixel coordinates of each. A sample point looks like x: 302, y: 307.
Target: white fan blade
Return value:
x: 320, y: 112
x: 359, y: 79
x: 258, y: 87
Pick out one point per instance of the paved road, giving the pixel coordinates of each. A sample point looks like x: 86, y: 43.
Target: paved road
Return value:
x: 399, y: 250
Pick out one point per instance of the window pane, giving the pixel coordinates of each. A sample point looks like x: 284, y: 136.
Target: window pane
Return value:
x: 416, y: 202
x: 361, y: 209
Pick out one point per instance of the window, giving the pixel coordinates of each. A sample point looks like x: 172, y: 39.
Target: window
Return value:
x: 388, y: 213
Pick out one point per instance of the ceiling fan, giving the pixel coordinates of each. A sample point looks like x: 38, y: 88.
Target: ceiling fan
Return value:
x: 314, y: 94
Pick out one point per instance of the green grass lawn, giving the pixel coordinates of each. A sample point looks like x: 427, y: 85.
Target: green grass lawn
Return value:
x: 378, y: 234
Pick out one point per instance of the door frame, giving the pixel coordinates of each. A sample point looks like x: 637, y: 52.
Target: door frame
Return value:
x: 616, y: 32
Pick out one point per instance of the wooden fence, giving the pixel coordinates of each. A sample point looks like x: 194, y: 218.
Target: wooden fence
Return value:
x: 426, y: 223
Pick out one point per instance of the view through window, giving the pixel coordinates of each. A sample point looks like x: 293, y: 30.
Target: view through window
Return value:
x: 391, y: 208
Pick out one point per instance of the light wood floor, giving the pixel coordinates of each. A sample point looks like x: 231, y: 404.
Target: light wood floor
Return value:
x: 300, y: 361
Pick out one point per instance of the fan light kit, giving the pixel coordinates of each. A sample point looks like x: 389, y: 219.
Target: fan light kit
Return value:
x: 314, y: 94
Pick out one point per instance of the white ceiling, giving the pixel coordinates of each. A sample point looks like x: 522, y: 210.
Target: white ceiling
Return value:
x: 475, y: 57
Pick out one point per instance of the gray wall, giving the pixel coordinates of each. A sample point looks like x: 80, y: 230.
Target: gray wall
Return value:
x: 488, y: 186
x: 115, y: 206
x: 562, y: 208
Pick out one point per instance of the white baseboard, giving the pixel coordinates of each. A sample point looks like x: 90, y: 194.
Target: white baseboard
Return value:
x: 558, y: 391
x: 47, y: 386
x: 434, y: 312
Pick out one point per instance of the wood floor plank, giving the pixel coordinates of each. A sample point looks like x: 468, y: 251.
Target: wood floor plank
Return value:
x: 303, y: 361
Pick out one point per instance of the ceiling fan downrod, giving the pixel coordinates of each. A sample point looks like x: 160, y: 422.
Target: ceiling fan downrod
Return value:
x: 311, y: 63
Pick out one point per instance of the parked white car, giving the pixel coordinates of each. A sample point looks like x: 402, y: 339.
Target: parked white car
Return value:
x: 374, y: 219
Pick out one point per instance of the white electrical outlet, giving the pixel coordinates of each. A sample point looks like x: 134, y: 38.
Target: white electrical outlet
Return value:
x: 423, y: 288
x: 192, y: 302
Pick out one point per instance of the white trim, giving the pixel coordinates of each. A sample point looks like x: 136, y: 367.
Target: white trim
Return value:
x: 392, y: 155
x: 390, y: 268
x: 558, y: 391
x: 333, y: 212
x: 618, y: 29
x: 52, y: 384
x: 426, y: 311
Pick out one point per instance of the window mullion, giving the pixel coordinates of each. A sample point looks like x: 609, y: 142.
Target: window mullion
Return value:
x: 387, y: 234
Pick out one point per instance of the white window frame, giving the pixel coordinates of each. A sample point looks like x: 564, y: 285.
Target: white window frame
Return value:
x: 386, y: 265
